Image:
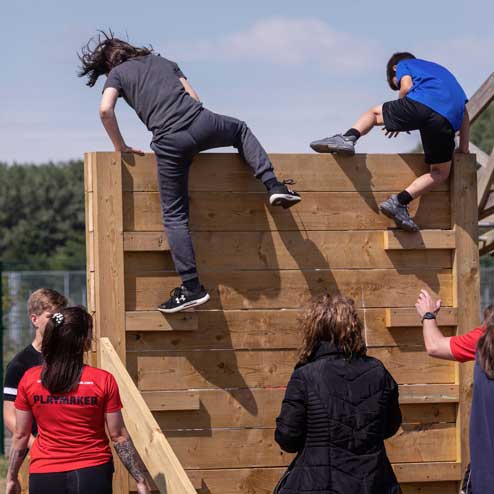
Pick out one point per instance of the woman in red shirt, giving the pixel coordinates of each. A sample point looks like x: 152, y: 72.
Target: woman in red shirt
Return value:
x: 71, y: 403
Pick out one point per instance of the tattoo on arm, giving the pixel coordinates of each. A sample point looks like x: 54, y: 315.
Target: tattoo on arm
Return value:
x: 17, y: 456
x: 131, y: 459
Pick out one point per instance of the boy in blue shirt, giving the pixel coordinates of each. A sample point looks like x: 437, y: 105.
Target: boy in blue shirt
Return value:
x: 430, y: 100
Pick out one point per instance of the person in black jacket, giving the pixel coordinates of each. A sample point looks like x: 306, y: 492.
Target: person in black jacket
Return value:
x: 339, y: 407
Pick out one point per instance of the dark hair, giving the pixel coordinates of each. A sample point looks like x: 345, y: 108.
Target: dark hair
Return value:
x: 67, y: 337
x: 333, y: 319
x: 392, y: 62
x: 485, y: 346
x: 103, y: 52
x: 45, y: 299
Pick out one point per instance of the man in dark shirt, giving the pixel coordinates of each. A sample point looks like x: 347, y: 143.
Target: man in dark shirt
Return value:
x: 42, y: 304
x: 165, y: 102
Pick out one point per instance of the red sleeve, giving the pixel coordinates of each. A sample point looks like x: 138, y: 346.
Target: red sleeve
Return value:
x: 21, y: 400
x: 113, y: 403
x: 463, y: 347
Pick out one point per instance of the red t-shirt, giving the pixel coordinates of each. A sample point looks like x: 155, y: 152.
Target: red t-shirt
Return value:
x: 464, y: 347
x: 71, y: 426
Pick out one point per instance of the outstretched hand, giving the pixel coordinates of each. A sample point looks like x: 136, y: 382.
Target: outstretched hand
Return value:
x: 425, y: 303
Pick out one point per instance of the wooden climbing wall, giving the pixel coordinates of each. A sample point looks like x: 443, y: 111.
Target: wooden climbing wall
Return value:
x: 214, y: 377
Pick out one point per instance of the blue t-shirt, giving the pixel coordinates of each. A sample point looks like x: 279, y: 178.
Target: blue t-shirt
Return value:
x: 482, y: 432
x: 435, y: 87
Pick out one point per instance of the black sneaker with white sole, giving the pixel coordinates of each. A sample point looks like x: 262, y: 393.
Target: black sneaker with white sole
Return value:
x: 181, y: 298
x: 281, y: 195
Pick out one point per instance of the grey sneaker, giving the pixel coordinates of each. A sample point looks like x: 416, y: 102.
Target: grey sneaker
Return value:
x: 398, y: 212
x: 336, y: 144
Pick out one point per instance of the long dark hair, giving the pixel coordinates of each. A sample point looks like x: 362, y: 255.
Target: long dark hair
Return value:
x: 103, y: 52
x: 66, y: 338
x: 485, y: 346
x: 392, y: 62
x: 334, y: 319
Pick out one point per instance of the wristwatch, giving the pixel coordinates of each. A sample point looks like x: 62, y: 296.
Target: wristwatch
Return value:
x: 428, y: 316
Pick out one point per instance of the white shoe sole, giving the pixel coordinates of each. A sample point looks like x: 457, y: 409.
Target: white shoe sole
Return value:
x: 284, y: 200
x: 188, y: 305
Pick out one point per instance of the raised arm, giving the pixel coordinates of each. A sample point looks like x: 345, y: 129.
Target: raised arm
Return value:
x: 19, y: 450
x: 465, y: 133
x: 189, y: 89
x: 436, y: 344
x: 126, y: 451
x: 109, y: 120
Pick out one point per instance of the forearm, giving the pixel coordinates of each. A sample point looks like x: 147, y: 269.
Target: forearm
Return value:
x: 17, y: 455
x: 111, y: 126
x: 436, y: 344
x: 127, y: 453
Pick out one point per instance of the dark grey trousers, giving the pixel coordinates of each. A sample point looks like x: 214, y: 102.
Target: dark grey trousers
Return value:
x: 174, y: 153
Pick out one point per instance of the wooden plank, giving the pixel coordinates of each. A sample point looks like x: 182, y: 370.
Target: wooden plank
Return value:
x: 486, y: 243
x: 105, y: 262
x: 407, y: 317
x: 292, y: 288
x: 485, y: 181
x: 150, y: 442
x: 424, y: 239
x: 428, y: 472
x: 256, y: 329
x: 217, y: 251
x: 481, y: 99
x: 222, y: 211
x: 263, y: 480
x: 228, y: 369
x: 164, y: 401
x: 158, y: 321
x: 466, y: 287
x: 145, y: 241
x: 227, y: 173
x: 481, y: 156
x: 259, y: 407
x: 257, y: 448
x: 429, y: 393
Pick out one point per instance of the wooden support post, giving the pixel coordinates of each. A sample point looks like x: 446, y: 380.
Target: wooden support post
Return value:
x: 466, y: 290
x: 105, y: 262
x: 485, y: 181
x: 481, y: 99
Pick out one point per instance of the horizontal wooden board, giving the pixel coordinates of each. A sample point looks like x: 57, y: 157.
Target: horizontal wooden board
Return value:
x: 180, y: 321
x: 160, y: 401
x: 263, y: 480
x: 245, y: 408
x: 252, y: 329
x: 312, y: 172
x: 408, y: 317
x: 145, y: 241
x: 257, y: 448
x: 223, y: 211
x: 228, y: 369
x: 424, y: 239
x: 429, y: 393
x: 146, y: 290
x: 233, y: 251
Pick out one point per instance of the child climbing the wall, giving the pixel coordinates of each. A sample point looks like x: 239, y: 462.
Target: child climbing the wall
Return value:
x: 430, y: 100
x: 167, y: 104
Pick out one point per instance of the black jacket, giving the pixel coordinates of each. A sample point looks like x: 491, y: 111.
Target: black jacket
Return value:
x: 336, y: 414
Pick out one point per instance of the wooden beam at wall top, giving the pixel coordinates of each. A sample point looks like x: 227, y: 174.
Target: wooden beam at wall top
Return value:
x: 154, y: 320
x: 397, y: 317
x: 424, y: 239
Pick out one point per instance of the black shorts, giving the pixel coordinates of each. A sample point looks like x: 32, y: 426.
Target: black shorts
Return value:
x: 91, y: 480
x: 438, y: 137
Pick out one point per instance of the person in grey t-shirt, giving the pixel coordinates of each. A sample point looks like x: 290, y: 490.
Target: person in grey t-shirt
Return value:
x: 165, y: 102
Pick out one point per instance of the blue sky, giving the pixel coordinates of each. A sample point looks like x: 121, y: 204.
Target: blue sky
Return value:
x: 294, y: 71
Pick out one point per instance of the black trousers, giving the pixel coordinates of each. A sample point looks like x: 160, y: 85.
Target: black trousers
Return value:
x: 91, y: 480
x: 174, y: 153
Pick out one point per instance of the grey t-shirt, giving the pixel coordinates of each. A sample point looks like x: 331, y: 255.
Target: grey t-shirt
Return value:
x: 151, y: 86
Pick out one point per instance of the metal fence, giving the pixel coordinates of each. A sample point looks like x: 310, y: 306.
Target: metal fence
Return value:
x: 17, y: 286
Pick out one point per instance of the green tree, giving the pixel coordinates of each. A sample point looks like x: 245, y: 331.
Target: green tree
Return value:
x: 482, y: 133
x: 42, y: 216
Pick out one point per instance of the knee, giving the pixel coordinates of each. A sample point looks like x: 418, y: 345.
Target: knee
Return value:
x: 440, y: 173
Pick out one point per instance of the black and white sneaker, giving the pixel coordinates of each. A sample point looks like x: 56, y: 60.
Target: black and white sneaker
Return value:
x: 181, y: 298
x: 281, y: 195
